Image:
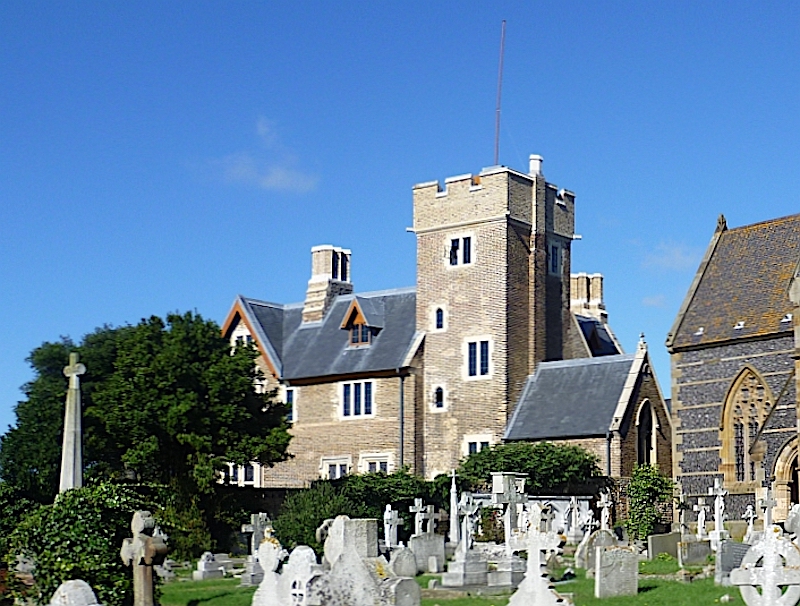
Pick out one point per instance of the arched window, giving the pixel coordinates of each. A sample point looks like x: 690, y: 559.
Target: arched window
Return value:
x: 439, y: 318
x: 747, y: 407
x: 645, y: 435
x: 438, y: 397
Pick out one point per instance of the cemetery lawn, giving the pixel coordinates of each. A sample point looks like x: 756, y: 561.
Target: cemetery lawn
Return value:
x: 214, y: 592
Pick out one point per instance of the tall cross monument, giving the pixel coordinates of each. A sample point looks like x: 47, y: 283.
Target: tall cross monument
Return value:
x: 71, y: 458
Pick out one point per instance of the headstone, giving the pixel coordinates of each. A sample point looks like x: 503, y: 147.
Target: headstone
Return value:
x: 586, y: 553
x: 605, y: 510
x: 71, y: 451
x: 253, y: 572
x: 701, y: 509
x: 535, y: 588
x: 426, y: 546
x: 663, y: 543
x: 468, y: 508
x: 508, y: 572
x: 74, y: 593
x: 616, y: 572
x: 574, y: 532
x: 683, y: 527
x: 508, y: 489
x: 453, y: 535
x: 259, y: 522
x: 391, y: 520
x: 729, y: 556
x: 468, y: 568
x: 270, y: 556
x: 777, y: 576
x: 224, y: 561
x: 750, y: 515
x: 143, y: 551
x: 403, y: 562
x: 694, y: 553
x: 431, y: 517
x: 208, y: 568
x: 419, y: 515
x: 719, y: 533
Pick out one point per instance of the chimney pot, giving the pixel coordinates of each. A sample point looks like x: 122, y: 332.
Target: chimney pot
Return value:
x: 535, y: 169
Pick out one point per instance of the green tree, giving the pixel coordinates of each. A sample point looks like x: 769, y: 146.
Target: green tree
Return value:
x: 647, y: 490
x: 165, y: 401
x: 549, y: 466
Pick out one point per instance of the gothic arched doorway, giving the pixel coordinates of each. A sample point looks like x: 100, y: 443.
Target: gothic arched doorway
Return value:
x: 787, y: 489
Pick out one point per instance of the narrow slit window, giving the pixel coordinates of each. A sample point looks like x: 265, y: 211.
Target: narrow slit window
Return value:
x: 439, y: 318
x: 346, y: 400
x: 466, y: 253
x: 438, y: 397
x: 335, y: 266
x: 343, y: 266
x: 454, y: 251
x: 368, y: 398
x: 356, y: 399
x: 484, y: 357
x: 472, y: 360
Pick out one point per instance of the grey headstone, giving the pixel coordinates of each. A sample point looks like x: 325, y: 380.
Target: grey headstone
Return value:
x: 729, y: 556
x: 74, y: 593
x: 586, y: 553
x: 426, y: 546
x: 403, y: 562
x: 694, y: 553
x: 616, y: 572
x: 663, y: 543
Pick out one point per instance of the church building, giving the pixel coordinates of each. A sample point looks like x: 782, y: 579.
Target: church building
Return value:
x: 425, y: 375
x: 735, y: 352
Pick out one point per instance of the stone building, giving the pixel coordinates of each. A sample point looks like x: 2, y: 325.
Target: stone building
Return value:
x: 423, y: 376
x: 734, y: 354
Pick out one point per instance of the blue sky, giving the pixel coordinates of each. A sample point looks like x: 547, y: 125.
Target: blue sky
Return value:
x: 159, y: 157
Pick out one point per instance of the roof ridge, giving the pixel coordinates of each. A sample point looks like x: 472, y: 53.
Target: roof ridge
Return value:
x: 625, y: 357
x: 795, y: 216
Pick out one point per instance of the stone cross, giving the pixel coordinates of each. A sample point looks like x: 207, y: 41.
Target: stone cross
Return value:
x: 779, y: 573
x: 391, y: 520
x: 589, y: 522
x: 143, y: 551
x: 682, y: 513
x: 701, y: 509
x: 419, y: 515
x: 539, y: 542
x: 453, y: 509
x: 605, y: 513
x: 257, y: 526
x: 431, y: 517
x: 767, y: 504
x: 506, y: 491
x: 71, y: 451
x: 749, y: 515
x: 719, y: 503
x: 468, y: 508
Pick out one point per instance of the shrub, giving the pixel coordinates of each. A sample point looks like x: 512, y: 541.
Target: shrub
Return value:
x: 647, y: 489
x: 304, y: 511
x: 79, y: 537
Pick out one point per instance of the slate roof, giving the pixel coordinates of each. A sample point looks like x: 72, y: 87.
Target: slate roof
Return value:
x: 320, y: 349
x: 570, y: 398
x: 745, y: 279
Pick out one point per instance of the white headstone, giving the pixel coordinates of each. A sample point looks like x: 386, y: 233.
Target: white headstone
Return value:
x: 616, y: 572
x: 391, y: 520
x: 74, y: 593
x: 454, y: 534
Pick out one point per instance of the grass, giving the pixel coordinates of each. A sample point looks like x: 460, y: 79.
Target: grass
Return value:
x: 652, y: 592
x: 660, y: 565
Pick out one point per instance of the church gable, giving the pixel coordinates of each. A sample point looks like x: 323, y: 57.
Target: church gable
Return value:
x: 742, y: 287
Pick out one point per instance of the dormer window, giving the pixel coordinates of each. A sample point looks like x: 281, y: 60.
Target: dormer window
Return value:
x: 360, y: 334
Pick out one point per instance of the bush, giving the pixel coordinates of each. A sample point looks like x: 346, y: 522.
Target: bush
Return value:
x: 647, y: 489
x: 13, y: 509
x: 304, y: 511
x: 79, y: 537
x: 550, y: 467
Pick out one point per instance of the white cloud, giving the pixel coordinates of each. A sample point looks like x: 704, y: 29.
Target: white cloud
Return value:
x: 272, y: 170
x: 672, y: 255
x: 654, y: 301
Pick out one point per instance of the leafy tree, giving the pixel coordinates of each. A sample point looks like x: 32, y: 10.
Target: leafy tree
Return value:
x: 646, y: 491
x: 549, y: 466
x: 165, y: 401
x: 78, y: 537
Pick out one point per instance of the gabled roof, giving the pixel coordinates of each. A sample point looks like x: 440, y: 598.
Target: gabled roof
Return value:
x: 320, y: 349
x: 575, y: 398
x: 743, y: 281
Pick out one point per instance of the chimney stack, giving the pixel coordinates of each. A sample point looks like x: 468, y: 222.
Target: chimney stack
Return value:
x: 330, y: 277
x: 586, y: 296
x: 535, y: 166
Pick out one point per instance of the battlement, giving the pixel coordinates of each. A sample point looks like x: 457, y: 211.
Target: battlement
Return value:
x: 496, y: 193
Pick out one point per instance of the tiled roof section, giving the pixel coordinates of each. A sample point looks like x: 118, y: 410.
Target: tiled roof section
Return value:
x: 570, y: 398
x: 320, y: 349
x: 596, y: 335
x: 745, y: 283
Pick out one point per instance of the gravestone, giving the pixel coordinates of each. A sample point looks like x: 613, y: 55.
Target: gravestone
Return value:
x: 751, y: 516
x: 253, y: 572
x: 259, y: 523
x: 71, y: 450
x: 605, y: 504
x: 453, y: 535
x: 574, y: 533
x: 773, y: 565
x: 419, y: 515
x: 207, y: 568
x: 701, y: 509
x: 616, y: 572
x: 508, y: 489
x: 719, y: 533
x: 535, y: 589
x: 694, y: 553
x: 143, y: 551
x: 270, y: 556
x: 729, y: 556
x: 74, y: 593
x: 426, y: 544
x: 586, y: 557
x: 391, y: 521
x: 403, y: 562
x: 663, y: 543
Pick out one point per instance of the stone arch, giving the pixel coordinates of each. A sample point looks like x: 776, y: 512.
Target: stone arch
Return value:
x: 786, y: 481
x: 746, y: 407
x: 646, y: 432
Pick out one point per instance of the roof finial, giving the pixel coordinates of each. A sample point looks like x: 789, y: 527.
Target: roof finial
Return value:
x: 722, y: 224
x: 642, y: 342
